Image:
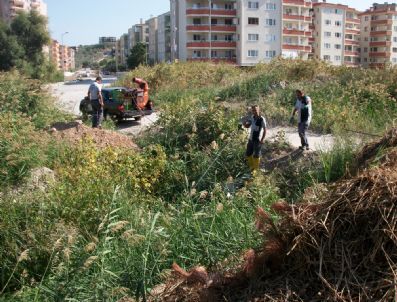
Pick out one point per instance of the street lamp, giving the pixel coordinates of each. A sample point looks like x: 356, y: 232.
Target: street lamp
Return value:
x: 63, y: 52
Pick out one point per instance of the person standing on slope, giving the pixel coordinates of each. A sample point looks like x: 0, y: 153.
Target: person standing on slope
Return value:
x: 257, y: 125
x: 303, y: 106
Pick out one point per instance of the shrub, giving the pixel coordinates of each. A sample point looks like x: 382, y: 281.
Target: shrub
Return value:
x: 21, y: 147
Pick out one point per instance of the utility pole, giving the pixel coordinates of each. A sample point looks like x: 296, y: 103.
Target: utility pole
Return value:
x: 210, y: 4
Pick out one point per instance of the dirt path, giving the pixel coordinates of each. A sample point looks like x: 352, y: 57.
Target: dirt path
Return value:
x: 317, y: 141
x: 69, y: 95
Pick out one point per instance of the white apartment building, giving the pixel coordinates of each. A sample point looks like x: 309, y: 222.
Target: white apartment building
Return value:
x: 204, y: 30
x: 164, y: 37
x: 152, y: 24
x: 379, y: 35
x: 138, y: 33
x: 10, y: 8
x: 241, y: 32
x: 336, y: 34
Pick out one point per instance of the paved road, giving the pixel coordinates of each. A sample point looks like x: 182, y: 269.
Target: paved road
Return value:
x: 68, y: 96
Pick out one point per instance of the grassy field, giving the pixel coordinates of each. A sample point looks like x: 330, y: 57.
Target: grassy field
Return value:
x: 115, y: 220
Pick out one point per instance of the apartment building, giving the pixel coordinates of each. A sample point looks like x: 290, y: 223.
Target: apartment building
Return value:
x: 138, y: 33
x: 164, y: 37
x: 10, y: 8
x: 152, y: 24
x: 62, y: 56
x: 204, y: 30
x: 336, y: 34
x: 241, y: 32
x: 379, y: 35
x: 108, y: 41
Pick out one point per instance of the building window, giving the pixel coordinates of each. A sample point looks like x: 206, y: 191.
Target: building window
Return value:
x: 270, y: 6
x: 253, y: 21
x: 338, y: 35
x: 365, y: 49
x: 338, y: 23
x: 327, y: 58
x: 252, y: 53
x: 228, y: 21
x: 366, y: 18
x: 196, y: 21
x: 253, y: 5
x: 394, y: 49
x: 270, y: 22
x: 197, y: 54
x: 270, y: 53
x: 337, y: 58
x: 394, y: 60
x: 394, y: 39
x: 327, y: 34
x: 214, y: 54
x: 338, y: 46
x: 327, y: 45
x: 327, y: 22
x: 395, y: 28
x: 253, y: 37
x: 270, y: 38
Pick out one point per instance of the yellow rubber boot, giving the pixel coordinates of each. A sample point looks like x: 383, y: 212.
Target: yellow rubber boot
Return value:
x: 250, y: 162
x: 255, y: 163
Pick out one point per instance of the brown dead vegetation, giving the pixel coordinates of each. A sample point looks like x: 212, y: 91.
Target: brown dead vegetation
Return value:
x: 340, y: 248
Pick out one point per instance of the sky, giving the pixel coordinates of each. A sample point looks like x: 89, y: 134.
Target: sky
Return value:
x: 87, y: 20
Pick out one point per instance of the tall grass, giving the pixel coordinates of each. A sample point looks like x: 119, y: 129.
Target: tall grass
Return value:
x: 111, y: 225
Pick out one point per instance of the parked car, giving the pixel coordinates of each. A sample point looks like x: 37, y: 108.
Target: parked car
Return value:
x: 119, y: 104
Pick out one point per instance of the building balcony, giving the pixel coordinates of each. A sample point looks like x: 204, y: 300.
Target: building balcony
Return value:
x: 212, y: 44
x: 213, y: 28
x: 377, y: 65
x: 352, y: 31
x: 299, y: 47
x: 380, y: 43
x: 214, y: 60
x: 352, y: 53
x: 297, y: 17
x: 382, y: 22
x: 206, y: 11
x: 352, y: 42
x: 380, y: 54
x: 355, y: 21
x: 381, y: 33
x: 297, y: 32
x: 297, y: 3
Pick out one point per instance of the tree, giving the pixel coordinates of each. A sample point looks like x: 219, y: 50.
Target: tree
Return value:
x: 137, y: 56
x: 22, y: 45
x: 10, y: 51
x: 32, y: 35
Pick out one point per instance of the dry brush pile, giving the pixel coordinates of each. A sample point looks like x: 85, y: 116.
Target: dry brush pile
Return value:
x: 342, y: 248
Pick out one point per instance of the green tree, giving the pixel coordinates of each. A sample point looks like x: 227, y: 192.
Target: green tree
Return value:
x: 10, y: 51
x: 31, y: 33
x: 137, y: 56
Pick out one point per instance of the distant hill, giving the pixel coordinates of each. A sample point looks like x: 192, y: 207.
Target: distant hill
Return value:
x: 90, y: 55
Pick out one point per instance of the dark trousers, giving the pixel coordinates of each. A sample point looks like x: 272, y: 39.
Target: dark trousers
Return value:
x: 97, y: 113
x: 254, y: 149
x: 302, y: 128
